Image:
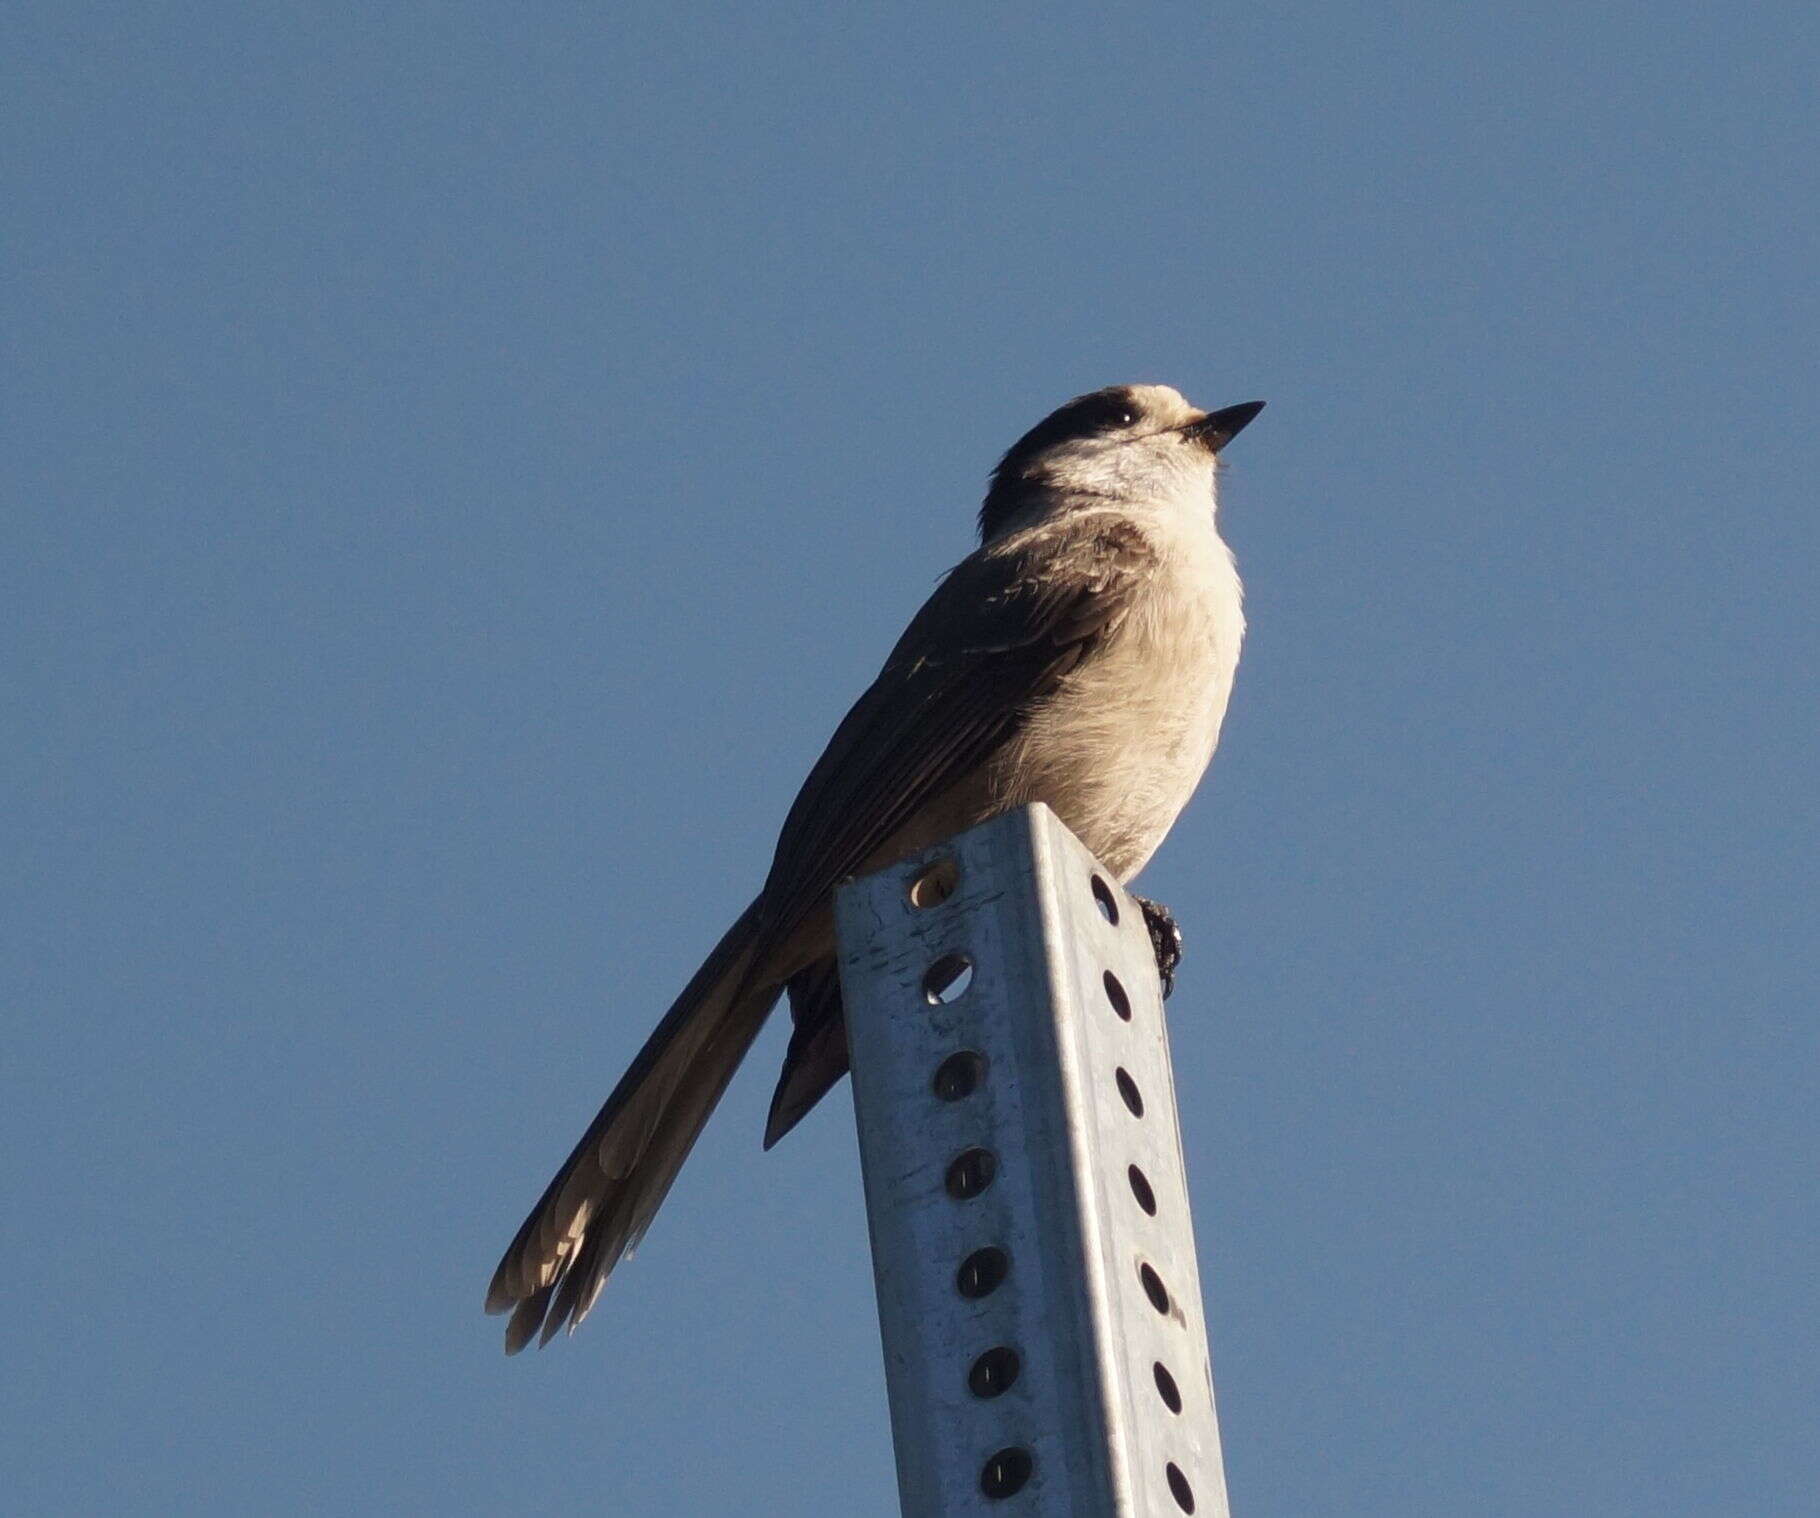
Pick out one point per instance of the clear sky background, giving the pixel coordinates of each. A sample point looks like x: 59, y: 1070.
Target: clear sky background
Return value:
x: 460, y: 461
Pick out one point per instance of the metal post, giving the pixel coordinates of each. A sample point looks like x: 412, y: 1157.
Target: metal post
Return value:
x: 1045, y: 1351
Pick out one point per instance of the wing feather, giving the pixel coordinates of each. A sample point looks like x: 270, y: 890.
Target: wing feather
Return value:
x: 999, y: 634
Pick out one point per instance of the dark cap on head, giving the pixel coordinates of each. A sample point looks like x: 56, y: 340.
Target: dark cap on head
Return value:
x: 1099, y: 413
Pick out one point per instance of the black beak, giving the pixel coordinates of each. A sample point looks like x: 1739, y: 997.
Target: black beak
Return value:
x: 1218, y: 428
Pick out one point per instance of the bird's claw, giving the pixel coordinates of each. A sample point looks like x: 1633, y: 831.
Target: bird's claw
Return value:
x: 1165, y: 940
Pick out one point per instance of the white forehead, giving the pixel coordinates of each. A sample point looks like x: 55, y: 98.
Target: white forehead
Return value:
x: 1164, y: 404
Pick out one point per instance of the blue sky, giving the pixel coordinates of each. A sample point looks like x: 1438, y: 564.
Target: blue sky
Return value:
x: 460, y: 461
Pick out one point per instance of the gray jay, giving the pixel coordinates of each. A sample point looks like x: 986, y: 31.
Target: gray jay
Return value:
x: 1081, y: 656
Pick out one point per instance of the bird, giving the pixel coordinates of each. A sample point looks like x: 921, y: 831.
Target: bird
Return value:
x: 1082, y: 656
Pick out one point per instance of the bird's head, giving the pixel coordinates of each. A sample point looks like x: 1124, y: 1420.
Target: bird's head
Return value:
x: 1126, y: 444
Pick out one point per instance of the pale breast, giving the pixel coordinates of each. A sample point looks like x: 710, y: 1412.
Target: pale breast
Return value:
x: 1120, y: 747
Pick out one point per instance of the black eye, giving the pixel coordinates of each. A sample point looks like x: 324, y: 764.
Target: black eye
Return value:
x: 1126, y: 418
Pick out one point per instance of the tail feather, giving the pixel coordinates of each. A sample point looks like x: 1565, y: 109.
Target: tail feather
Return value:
x: 618, y: 1230
x: 817, y: 1056
x: 521, y: 1327
x: 600, y: 1202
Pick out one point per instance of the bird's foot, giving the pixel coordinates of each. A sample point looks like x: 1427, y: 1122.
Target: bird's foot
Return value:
x: 1165, y: 940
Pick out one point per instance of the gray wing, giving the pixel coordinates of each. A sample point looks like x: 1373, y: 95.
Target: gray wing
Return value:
x: 1000, y: 633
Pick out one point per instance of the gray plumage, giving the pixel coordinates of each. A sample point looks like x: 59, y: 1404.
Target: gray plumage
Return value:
x: 1081, y: 656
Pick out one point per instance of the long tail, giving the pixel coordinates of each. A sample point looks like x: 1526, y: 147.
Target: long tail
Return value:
x: 602, y: 1200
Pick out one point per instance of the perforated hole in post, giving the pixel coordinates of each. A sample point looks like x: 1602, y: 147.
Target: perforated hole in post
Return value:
x: 1140, y: 1188
x: 971, y: 1173
x: 994, y: 1371
x: 935, y: 884
x: 1115, y: 993
x: 945, y: 982
x: 1154, y: 1288
x: 984, y: 1271
x: 959, y: 1075
x: 1105, y: 901
x: 1166, y: 1387
x: 1006, y: 1472
x: 1128, y: 1091
x: 1179, y: 1487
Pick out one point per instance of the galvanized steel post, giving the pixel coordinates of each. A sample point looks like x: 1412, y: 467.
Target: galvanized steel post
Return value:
x: 1045, y: 1350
